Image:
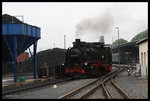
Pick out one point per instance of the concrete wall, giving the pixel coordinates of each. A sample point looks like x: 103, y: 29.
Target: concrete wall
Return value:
x: 143, y: 57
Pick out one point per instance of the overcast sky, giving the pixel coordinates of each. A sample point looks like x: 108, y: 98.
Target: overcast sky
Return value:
x: 95, y: 19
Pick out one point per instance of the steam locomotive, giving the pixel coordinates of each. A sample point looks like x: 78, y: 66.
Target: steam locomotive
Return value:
x: 86, y: 59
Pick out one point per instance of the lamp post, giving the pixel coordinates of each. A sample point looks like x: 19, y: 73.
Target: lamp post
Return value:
x: 118, y: 46
x: 54, y: 45
x: 64, y: 41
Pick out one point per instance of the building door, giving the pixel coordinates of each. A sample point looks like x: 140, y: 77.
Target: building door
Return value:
x: 147, y: 64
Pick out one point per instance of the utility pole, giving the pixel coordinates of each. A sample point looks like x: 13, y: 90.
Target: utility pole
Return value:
x: 118, y: 46
x: 64, y: 41
x: 54, y: 45
x: 98, y: 38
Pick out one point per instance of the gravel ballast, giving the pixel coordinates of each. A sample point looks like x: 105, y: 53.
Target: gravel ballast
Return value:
x: 49, y: 92
x: 137, y: 88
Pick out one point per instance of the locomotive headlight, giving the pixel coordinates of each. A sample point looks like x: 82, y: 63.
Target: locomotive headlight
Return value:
x: 62, y: 64
x: 85, y: 63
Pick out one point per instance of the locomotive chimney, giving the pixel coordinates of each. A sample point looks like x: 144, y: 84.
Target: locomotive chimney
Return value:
x: 77, y: 40
x: 76, y: 43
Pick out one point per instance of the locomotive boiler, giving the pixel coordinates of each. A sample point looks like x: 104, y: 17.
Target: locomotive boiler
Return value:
x: 87, y: 59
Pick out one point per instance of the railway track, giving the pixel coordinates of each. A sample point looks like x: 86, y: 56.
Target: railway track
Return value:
x: 85, y: 88
x: 96, y: 88
x: 112, y: 90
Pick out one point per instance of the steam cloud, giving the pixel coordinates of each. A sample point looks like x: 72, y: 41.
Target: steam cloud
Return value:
x: 100, y: 24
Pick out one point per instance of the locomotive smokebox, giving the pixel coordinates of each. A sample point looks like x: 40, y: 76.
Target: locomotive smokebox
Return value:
x: 77, y: 40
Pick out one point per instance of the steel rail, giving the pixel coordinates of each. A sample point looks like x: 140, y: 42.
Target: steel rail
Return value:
x: 96, y: 87
x: 102, y: 84
x: 118, y: 88
x: 89, y: 92
x: 84, y: 86
x: 78, y: 89
x: 107, y: 94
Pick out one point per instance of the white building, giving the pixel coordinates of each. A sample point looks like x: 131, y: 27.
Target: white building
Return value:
x: 143, y: 56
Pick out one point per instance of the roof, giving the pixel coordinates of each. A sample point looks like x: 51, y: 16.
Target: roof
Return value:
x: 126, y: 47
x: 142, y: 40
x: 9, y: 19
x: 126, y: 44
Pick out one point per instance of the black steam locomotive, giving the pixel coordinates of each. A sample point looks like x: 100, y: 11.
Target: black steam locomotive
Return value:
x: 87, y: 59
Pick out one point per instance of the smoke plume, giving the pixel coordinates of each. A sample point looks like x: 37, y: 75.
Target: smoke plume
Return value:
x: 100, y: 24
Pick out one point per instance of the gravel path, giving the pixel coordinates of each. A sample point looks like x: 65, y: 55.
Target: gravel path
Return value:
x: 137, y: 88
x: 49, y: 92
